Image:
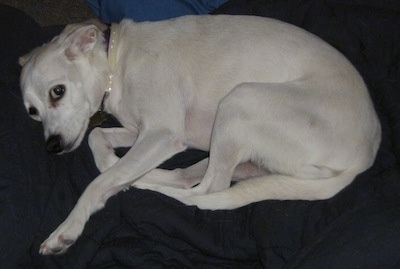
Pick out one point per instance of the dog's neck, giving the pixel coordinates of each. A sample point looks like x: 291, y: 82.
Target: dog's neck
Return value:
x: 111, y: 37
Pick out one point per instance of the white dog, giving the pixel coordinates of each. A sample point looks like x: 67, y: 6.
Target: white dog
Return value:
x: 279, y: 110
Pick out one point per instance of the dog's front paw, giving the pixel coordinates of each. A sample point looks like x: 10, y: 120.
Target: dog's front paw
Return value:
x: 62, y: 238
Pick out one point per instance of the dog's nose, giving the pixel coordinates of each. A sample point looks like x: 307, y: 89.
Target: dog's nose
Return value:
x: 53, y: 144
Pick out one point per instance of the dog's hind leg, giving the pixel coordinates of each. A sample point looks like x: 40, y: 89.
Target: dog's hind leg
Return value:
x: 271, y: 187
x: 185, y: 178
x: 306, y: 146
x: 303, y: 142
x: 228, y: 157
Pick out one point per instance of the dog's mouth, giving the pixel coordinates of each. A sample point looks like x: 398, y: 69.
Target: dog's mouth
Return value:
x: 58, y: 144
x: 55, y: 144
x: 68, y: 138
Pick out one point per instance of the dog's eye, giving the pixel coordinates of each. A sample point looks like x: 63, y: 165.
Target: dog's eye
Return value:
x: 57, y: 92
x: 33, y: 111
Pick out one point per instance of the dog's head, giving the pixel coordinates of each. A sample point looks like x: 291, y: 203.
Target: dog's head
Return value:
x: 63, y: 83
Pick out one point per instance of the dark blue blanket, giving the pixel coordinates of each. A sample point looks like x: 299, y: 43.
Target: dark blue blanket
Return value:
x: 358, y: 228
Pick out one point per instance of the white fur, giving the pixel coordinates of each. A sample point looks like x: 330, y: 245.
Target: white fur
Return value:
x: 279, y: 110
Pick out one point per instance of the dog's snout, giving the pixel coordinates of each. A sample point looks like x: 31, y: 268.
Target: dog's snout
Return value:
x: 53, y: 144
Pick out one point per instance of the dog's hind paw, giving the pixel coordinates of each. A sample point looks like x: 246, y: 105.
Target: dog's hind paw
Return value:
x: 61, y: 239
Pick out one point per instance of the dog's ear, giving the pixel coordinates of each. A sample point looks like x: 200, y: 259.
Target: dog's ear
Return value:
x: 81, y: 40
x: 102, y: 27
x: 25, y: 58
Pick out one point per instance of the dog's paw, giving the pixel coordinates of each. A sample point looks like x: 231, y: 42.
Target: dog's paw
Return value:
x: 61, y: 239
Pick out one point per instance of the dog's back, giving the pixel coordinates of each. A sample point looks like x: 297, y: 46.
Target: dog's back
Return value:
x: 208, y: 56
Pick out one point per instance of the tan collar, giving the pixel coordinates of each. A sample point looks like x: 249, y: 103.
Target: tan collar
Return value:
x: 100, y: 116
x: 112, y: 57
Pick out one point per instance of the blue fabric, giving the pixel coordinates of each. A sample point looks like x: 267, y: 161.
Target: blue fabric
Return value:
x: 150, y: 10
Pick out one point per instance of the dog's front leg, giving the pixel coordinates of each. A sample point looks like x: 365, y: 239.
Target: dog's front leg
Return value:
x: 151, y: 148
x: 103, y: 141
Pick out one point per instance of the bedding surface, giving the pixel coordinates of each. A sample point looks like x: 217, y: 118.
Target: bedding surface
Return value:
x: 358, y: 228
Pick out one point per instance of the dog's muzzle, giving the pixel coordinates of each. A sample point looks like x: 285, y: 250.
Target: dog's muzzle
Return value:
x: 54, y: 144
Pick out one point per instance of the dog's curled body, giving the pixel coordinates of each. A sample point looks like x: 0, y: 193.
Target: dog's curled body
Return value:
x: 279, y: 110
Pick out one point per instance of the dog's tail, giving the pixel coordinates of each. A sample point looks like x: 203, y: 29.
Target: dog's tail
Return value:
x: 273, y: 187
